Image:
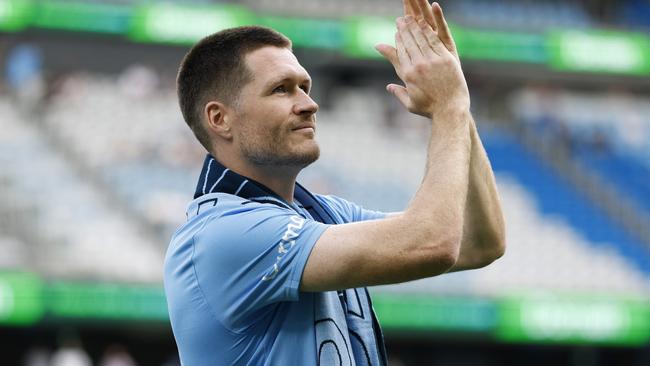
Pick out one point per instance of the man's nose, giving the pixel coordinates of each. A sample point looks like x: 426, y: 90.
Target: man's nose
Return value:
x: 305, y: 105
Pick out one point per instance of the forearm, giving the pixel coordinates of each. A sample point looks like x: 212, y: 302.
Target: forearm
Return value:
x: 438, y: 206
x: 423, y: 241
x: 483, y: 238
x: 435, y: 86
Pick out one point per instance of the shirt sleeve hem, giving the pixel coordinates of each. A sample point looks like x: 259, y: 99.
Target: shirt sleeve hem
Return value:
x: 293, y: 288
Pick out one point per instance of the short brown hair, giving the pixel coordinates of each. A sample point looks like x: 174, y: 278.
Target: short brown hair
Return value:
x: 214, y: 68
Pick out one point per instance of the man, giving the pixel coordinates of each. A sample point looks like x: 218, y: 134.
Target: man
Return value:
x: 265, y: 272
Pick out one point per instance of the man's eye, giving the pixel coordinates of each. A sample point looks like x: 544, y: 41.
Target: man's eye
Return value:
x: 305, y: 88
x: 280, y: 89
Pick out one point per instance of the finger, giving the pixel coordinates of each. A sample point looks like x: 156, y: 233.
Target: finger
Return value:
x: 443, y: 28
x: 408, y: 10
x: 402, y: 55
x: 415, y: 9
x: 400, y: 93
x: 434, y: 40
x: 417, y: 31
x: 390, y: 53
x: 408, y: 40
x: 427, y: 13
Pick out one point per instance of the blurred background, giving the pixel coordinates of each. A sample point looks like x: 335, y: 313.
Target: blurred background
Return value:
x: 97, y: 167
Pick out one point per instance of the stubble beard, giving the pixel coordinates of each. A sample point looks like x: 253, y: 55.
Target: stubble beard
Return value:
x: 269, y: 152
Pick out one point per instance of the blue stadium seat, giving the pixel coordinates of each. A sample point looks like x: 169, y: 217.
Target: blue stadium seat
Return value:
x: 630, y: 177
x: 556, y: 196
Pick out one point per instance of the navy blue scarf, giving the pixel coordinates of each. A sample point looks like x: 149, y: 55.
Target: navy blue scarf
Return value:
x: 217, y: 178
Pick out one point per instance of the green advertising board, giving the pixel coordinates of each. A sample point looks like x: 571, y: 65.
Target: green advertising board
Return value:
x: 434, y: 313
x: 599, y: 51
x: 573, y: 319
x: 15, y: 15
x: 82, y: 16
x: 539, y: 318
x: 313, y: 33
x: 500, y: 46
x: 584, y: 51
x: 361, y: 34
x: 105, y: 301
x: 184, y: 24
x: 21, y: 301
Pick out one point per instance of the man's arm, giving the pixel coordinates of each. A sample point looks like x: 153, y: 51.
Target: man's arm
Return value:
x: 483, y: 239
x: 425, y: 240
x: 484, y: 228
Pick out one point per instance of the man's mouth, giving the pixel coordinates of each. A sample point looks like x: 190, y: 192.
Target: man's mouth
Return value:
x: 305, y: 127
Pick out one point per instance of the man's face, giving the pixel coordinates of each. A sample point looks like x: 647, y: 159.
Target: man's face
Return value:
x: 274, y: 123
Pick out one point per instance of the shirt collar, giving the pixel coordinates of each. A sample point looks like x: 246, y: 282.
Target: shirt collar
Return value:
x: 216, y: 178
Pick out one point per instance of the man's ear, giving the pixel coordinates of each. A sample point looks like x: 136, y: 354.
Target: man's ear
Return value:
x: 218, y: 117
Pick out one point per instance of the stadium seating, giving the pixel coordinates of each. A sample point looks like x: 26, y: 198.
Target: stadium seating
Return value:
x: 137, y: 144
x: 607, y: 133
x: 503, y: 14
x: 15, y: 253
x: 552, y: 228
x: 510, y: 14
x: 634, y: 13
x: 630, y: 177
x: 556, y: 197
x: 77, y: 233
x: 139, y: 148
x: 97, y: 168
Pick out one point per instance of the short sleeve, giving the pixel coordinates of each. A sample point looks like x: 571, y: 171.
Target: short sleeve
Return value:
x: 349, y: 211
x: 247, y: 259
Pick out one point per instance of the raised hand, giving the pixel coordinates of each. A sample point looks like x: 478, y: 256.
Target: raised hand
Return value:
x: 425, y: 16
x: 433, y: 15
x: 432, y: 75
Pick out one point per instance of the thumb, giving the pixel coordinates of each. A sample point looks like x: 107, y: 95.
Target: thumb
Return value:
x: 400, y: 93
x: 389, y: 52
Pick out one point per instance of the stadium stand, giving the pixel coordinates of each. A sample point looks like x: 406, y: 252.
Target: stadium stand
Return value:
x: 325, y: 9
x: 97, y: 166
x: 607, y: 133
x: 502, y: 14
x: 634, y: 13
x: 68, y: 218
x: 625, y: 172
x: 15, y: 254
x: 132, y: 138
x: 510, y: 14
x: 552, y: 226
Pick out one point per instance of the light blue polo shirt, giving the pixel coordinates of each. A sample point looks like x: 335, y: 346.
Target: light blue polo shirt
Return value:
x: 232, y: 276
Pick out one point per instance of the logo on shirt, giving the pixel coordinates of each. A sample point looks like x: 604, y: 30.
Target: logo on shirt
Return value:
x: 295, y: 225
